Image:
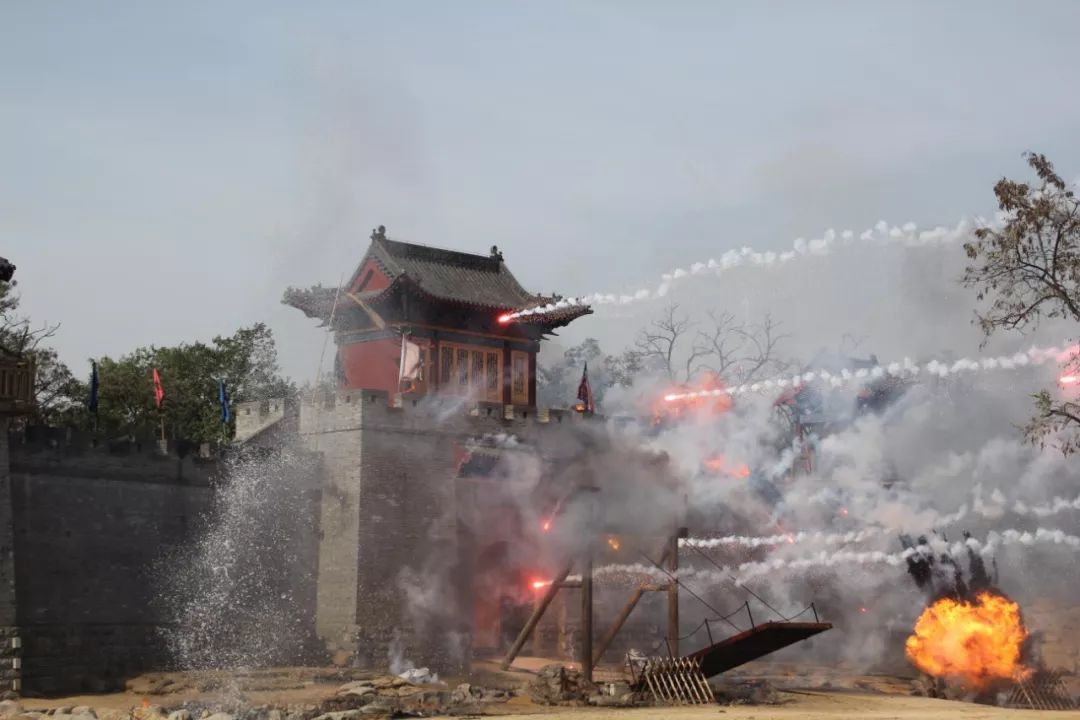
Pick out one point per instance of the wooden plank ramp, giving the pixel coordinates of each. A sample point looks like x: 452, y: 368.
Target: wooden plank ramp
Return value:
x: 752, y: 644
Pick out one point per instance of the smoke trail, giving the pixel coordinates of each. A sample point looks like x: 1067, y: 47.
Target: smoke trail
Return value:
x: 881, y: 234
x: 748, y: 570
x: 788, y: 538
x: 994, y: 540
x: 1019, y: 507
x: 998, y: 509
x: 907, y: 368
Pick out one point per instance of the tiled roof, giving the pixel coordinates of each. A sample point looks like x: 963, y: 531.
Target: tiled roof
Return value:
x: 480, y: 280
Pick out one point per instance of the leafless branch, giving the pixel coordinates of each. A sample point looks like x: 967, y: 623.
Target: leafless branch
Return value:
x: 740, y: 352
x: 659, y: 343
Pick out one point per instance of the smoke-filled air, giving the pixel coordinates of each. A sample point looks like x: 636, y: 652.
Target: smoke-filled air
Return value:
x: 488, y: 359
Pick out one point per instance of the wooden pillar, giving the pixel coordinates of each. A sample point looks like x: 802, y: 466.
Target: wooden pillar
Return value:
x: 673, y: 594
x: 435, y: 371
x: 587, y: 612
x: 532, y: 378
x: 507, y: 375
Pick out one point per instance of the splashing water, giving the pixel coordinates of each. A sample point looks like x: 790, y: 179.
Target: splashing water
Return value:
x: 242, y: 594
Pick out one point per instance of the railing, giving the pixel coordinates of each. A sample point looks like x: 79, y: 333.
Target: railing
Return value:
x: 16, y: 386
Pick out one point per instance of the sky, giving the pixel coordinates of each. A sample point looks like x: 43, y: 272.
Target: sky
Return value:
x: 168, y: 169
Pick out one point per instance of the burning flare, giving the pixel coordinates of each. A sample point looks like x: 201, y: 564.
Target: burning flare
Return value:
x: 708, y: 396
x: 976, y: 642
x: 718, y: 465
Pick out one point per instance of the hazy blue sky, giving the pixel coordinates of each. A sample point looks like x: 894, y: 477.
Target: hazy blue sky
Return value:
x: 166, y: 169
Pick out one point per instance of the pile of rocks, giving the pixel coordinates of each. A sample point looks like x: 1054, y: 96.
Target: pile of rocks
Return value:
x: 745, y: 692
x: 392, y: 695
x: 559, y: 685
x: 12, y: 710
x: 375, y: 697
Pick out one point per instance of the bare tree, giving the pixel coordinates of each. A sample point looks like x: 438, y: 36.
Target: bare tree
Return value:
x: 740, y: 352
x: 17, y: 335
x: 54, y: 385
x: 659, y: 344
x: 1028, y: 270
x: 736, y: 351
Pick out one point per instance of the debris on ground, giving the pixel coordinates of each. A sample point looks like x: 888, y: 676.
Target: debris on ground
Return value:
x: 745, y: 692
x: 559, y: 685
x: 419, y: 676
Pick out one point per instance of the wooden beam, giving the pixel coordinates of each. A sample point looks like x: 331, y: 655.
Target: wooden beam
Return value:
x: 612, y: 631
x: 587, y: 612
x: 537, y: 613
x: 375, y: 317
x: 673, y: 595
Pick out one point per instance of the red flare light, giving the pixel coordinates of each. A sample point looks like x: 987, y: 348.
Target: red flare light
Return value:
x: 540, y: 584
x: 717, y: 464
x: 1069, y: 379
x: 546, y: 526
x: 676, y: 403
x: 504, y: 319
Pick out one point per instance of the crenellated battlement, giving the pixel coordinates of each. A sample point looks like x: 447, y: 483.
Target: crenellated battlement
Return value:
x: 76, y: 453
x: 352, y: 409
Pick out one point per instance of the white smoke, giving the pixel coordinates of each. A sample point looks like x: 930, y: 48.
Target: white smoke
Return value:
x: 906, y: 368
x: 907, y: 235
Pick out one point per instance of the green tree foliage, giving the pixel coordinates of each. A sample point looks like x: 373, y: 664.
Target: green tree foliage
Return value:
x: 1028, y: 270
x: 245, y: 360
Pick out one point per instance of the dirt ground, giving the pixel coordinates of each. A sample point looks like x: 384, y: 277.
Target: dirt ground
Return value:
x: 816, y: 706
x: 803, y: 692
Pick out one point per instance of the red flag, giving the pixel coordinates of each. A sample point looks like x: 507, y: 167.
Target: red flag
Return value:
x: 159, y: 392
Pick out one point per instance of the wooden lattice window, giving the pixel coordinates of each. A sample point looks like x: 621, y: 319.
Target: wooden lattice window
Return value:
x: 494, y: 387
x: 477, y: 369
x: 462, y: 369
x: 447, y: 374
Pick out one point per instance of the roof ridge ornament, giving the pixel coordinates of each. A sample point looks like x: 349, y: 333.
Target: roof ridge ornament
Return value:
x: 496, y: 254
x: 379, y: 233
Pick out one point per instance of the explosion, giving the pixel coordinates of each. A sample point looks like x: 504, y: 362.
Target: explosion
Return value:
x: 977, y: 642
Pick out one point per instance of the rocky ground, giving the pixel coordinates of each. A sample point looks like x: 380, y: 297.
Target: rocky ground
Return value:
x: 761, y: 692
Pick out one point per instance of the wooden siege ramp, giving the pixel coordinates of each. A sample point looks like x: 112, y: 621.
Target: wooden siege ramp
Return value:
x: 752, y: 644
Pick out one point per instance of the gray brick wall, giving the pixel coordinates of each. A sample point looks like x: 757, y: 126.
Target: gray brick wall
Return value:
x: 88, y: 527
x: 10, y: 671
x: 392, y: 561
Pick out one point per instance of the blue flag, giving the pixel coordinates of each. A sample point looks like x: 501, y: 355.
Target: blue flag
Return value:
x: 223, y: 397
x: 92, y: 403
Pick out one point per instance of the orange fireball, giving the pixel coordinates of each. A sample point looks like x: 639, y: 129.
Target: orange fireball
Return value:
x: 976, y: 642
